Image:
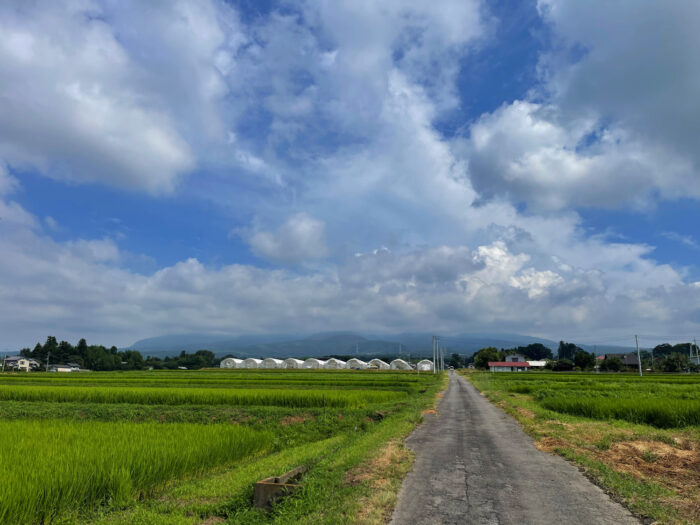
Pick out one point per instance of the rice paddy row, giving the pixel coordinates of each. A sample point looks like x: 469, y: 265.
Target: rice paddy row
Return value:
x: 50, y: 467
x: 199, y: 396
x: 662, y: 401
x: 82, y: 445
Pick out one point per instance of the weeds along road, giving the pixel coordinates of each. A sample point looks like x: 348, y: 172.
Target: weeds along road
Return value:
x: 475, y: 465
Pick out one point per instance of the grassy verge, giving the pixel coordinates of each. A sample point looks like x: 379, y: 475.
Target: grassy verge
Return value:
x: 653, y: 471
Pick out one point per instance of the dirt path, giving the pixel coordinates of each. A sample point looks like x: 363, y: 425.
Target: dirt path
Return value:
x: 475, y: 465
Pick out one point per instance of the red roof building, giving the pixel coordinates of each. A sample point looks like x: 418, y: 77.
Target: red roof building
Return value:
x: 508, y: 366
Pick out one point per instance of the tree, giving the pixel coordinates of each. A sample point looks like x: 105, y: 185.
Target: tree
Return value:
x: 563, y: 365
x: 611, y: 364
x: 63, y: 352
x: 483, y: 356
x: 455, y: 360
x: 534, y: 351
x: 584, y: 360
x: 567, y: 350
x: 81, y: 348
x: 675, y: 362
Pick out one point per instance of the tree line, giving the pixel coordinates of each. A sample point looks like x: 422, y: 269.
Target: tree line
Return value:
x: 101, y: 358
x: 666, y: 357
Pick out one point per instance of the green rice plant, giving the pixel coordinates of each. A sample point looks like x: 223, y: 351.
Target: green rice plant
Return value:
x: 199, y: 396
x: 660, y: 413
x: 50, y: 468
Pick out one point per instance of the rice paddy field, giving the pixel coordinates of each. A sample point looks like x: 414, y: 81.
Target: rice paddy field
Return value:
x: 187, y: 446
x: 637, y: 437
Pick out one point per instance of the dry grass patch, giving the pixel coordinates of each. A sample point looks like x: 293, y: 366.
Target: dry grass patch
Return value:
x: 675, y: 468
x: 529, y: 414
x: 383, y: 474
x: 290, y: 420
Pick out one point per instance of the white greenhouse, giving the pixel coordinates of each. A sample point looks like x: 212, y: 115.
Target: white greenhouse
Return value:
x: 355, y: 364
x: 293, y: 363
x: 382, y: 365
x: 334, y: 364
x: 314, y: 363
x: 251, y: 362
x: 425, y: 365
x: 231, y: 362
x: 400, y: 364
x: 271, y: 362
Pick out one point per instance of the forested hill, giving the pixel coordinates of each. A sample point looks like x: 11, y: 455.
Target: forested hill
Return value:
x: 345, y: 343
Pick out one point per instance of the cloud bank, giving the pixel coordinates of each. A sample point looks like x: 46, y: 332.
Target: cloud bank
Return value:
x: 315, y: 127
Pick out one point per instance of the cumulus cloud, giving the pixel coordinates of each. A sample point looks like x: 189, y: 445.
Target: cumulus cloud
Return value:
x: 614, y: 126
x: 530, y: 153
x: 80, y: 288
x: 331, y: 108
x: 87, y: 99
x: 300, y: 238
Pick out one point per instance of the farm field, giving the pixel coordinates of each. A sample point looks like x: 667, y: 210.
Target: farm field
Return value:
x: 639, y: 438
x: 186, y: 446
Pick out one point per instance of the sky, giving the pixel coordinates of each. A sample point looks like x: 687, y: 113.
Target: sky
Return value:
x: 241, y: 167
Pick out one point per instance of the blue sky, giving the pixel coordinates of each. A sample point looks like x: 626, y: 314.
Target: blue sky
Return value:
x: 249, y: 167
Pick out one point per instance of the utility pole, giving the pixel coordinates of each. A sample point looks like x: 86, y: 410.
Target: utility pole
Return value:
x: 48, y: 358
x: 639, y: 358
x: 697, y: 352
x: 434, y: 363
x: 3, y: 362
x: 690, y: 349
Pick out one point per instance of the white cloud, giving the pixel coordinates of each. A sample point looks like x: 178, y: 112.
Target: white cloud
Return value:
x: 330, y: 111
x: 79, y: 288
x: 52, y: 223
x: 96, y: 92
x: 300, y: 238
x: 613, y: 127
x: 687, y: 240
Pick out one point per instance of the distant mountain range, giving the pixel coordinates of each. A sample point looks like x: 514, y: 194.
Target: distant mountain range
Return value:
x: 340, y: 343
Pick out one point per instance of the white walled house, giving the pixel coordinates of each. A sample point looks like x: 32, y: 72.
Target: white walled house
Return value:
x: 24, y: 364
x: 293, y: 363
x: 509, y: 366
x: 537, y: 364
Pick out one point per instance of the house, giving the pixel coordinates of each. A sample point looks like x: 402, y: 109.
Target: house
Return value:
x: 62, y: 368
x: 628, y: 359
x: 515, y: 358
x: 537, y: 364
x: 24, y: 364
x: 509, y: 366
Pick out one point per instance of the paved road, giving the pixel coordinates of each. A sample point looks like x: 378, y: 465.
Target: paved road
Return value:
x: 475, y: 465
